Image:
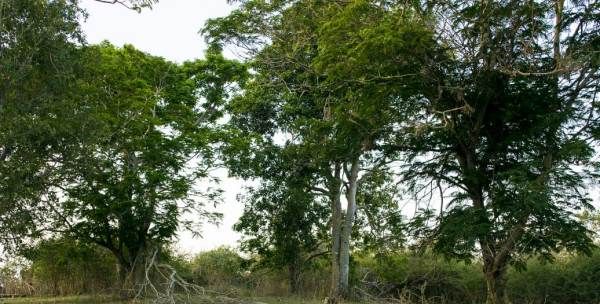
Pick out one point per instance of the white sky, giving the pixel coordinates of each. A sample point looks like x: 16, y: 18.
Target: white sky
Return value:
x: 170, y: 30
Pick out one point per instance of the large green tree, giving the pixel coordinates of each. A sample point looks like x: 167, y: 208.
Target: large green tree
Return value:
x: 297, y: 93
x: 504, y: 116
x: 40, y: 59
x: 142, y: 149
x: 38, y: 55
x: 518, y: 107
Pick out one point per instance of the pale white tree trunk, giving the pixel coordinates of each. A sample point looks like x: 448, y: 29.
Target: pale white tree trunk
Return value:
x: 341, y: 231
x: 336, y: 229
x: 347, y: 226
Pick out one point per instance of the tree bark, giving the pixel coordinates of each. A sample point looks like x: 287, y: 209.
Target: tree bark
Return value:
x: 336, y: 229
x: 347, y: 228
x: 294, y: 276
x: 125, y: 271
x: 131, y: 273
x: 495, y: 284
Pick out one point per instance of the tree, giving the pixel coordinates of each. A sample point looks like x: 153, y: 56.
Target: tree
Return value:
x: 509, y: 113
x: 280, y: 100
x: 283, y: 221
x: 368, y: 113
x: 141, y: 149
x: 300, y: 90
x: 136, y: 5
x: 38, y: 55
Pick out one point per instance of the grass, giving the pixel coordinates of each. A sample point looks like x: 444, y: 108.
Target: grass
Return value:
x: 112, y: 300
x: 286, y: 300
x: 63, y: 300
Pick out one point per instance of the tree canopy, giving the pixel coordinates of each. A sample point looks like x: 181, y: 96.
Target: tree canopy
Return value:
x: 483, y: 115
x: 493, y: 102
x: 38, y: 46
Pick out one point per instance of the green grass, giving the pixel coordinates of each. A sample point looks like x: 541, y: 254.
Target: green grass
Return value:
x: 112, y: 300
x: 63, y: 300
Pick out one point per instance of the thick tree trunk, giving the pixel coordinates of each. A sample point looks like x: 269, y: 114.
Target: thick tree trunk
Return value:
x: 125, y: 271
x: 336, y: 231
x: 131, y: 273
x: 495, y: 287
x: 347, y: 228
x: 294, y: 276
x: 341, y: 231
x: 495, y: 262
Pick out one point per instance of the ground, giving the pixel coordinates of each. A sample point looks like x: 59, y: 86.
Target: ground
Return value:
x: 109, y: 300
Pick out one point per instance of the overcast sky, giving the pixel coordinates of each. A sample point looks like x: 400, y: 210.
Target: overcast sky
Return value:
x: 169, y: 30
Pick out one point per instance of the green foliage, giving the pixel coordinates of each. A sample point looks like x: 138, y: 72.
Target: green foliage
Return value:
x: 421, y: 276
x: 67, y: 267
x: 284, y: 222
x: 282, y: 225
x: 218, y: 267
x: 375, y: 50
x: 380, y: 224
x: 128, y: 182
x: 571, y: 279
x: 38, y: 41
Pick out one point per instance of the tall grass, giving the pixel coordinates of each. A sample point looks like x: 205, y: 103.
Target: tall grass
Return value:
x: 401, y: 277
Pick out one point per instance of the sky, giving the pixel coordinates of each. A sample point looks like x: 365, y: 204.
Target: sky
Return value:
x: 171, y: 30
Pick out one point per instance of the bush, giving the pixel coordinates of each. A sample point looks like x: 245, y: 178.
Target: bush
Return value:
x: 314, y: 279
x: 223, y: 269
x: 571, y: 279
x: 414, y: 276
x: 67, y: 267
x: 219, y: 267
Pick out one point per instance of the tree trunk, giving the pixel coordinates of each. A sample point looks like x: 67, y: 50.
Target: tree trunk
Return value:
x: 494, y: 270
x: 125, y: 271
x: 495, y: 287
x: 131, y: 273
x: 294, y: 276
x: 336, y: 230
x: 347, y: 228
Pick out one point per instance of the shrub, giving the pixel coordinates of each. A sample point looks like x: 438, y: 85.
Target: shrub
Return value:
x: 219, y: 267
x: 420, y: 276
x: 571, y: 279
x: 66, y: 267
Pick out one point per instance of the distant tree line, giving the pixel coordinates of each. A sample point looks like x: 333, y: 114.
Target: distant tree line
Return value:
x: 65, y: 267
